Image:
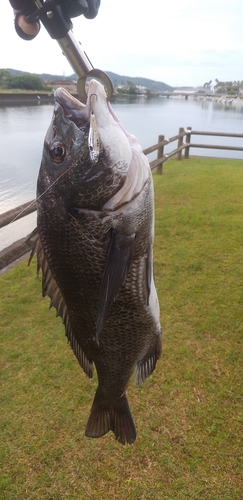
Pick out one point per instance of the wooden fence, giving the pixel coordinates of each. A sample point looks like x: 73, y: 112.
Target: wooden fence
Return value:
x: 183, y: 143
x: 183, y: 139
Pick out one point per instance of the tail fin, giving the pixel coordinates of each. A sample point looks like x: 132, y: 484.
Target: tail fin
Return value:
x: 117, y: 418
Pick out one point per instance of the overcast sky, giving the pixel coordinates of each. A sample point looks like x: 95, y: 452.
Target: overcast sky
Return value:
x: 179, y: 42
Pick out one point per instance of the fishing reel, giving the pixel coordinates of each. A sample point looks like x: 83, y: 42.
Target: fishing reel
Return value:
x: 55, y: 16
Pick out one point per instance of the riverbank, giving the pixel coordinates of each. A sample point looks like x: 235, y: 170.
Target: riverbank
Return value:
x: 29, y: 97
x: 35, y: 97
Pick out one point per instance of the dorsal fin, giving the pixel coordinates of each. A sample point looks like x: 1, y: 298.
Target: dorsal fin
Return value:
x: 51, y: 289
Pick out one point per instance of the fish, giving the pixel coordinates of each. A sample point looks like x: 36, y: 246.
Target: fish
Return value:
x: 94, y: 246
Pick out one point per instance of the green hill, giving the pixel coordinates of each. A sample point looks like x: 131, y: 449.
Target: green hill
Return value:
x: 115, y: 78
x: 144, y: 82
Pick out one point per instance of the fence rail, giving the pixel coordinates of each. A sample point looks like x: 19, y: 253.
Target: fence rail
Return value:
x: 183, y: 143
x: 17, y: 213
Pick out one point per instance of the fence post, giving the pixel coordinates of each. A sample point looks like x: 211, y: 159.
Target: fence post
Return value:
x: 180, y: 142
x: 160, y: 154
x: 188, y: 141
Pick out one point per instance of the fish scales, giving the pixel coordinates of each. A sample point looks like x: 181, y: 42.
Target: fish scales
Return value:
x: 94, y: 245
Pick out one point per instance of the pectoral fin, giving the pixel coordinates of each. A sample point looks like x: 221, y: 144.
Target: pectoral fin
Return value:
x: 118, y: 262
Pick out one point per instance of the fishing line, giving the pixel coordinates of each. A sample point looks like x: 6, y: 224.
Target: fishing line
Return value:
x: 40, y: 196
x: 94, y: 154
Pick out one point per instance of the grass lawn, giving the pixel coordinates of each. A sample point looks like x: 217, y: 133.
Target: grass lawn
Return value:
x: 188, y: 414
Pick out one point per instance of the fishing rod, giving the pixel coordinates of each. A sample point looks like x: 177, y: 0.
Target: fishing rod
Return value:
x: 54, y: 17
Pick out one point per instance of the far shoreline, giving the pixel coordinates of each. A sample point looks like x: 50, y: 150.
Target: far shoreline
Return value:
x: 35, y: 97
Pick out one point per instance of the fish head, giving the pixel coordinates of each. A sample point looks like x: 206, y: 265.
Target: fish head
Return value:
x: 86, y: 152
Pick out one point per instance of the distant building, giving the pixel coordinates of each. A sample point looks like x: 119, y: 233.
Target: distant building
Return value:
x: 69, y: 85
x: 141, y: 89
x: 192, y: 91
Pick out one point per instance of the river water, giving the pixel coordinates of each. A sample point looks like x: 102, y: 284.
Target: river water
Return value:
x: 23, y: 127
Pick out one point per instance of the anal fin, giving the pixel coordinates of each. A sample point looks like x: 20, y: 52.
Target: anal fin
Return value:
x: 147, y: 364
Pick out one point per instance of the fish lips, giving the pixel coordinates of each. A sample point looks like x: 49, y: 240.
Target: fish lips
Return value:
x: 73, y: 109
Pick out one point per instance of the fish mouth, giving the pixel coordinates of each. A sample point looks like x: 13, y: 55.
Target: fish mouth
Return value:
x: 103, y: 141
x: 74, y: 110
x: 95, y: 115
x: 79, y: 113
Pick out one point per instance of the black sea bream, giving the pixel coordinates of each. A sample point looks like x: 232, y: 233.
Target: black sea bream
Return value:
x: 94, y: 241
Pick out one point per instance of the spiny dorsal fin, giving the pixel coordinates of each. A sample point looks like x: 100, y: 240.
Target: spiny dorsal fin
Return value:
x: 51, y: 289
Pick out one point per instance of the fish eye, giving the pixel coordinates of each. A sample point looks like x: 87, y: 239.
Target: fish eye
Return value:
x: 57, y: 151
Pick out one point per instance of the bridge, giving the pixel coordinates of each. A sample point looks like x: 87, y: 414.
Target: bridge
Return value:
x: 180, y: 93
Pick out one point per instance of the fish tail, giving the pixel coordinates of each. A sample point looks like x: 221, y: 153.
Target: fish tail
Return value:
x: 117, y: 418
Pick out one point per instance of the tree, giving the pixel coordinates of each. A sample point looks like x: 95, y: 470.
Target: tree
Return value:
x: 25, y: 82
x: 129, y: 88
x: 4, y: 77
x: 227, y: 87
x: 207, y: 85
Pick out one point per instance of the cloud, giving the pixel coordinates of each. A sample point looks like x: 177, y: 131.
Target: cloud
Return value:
x: 176, y: 42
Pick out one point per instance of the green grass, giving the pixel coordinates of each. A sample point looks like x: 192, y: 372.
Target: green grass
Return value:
x: 188, y: 414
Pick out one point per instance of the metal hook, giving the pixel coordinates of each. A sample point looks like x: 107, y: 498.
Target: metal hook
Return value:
x: 99, y: 75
